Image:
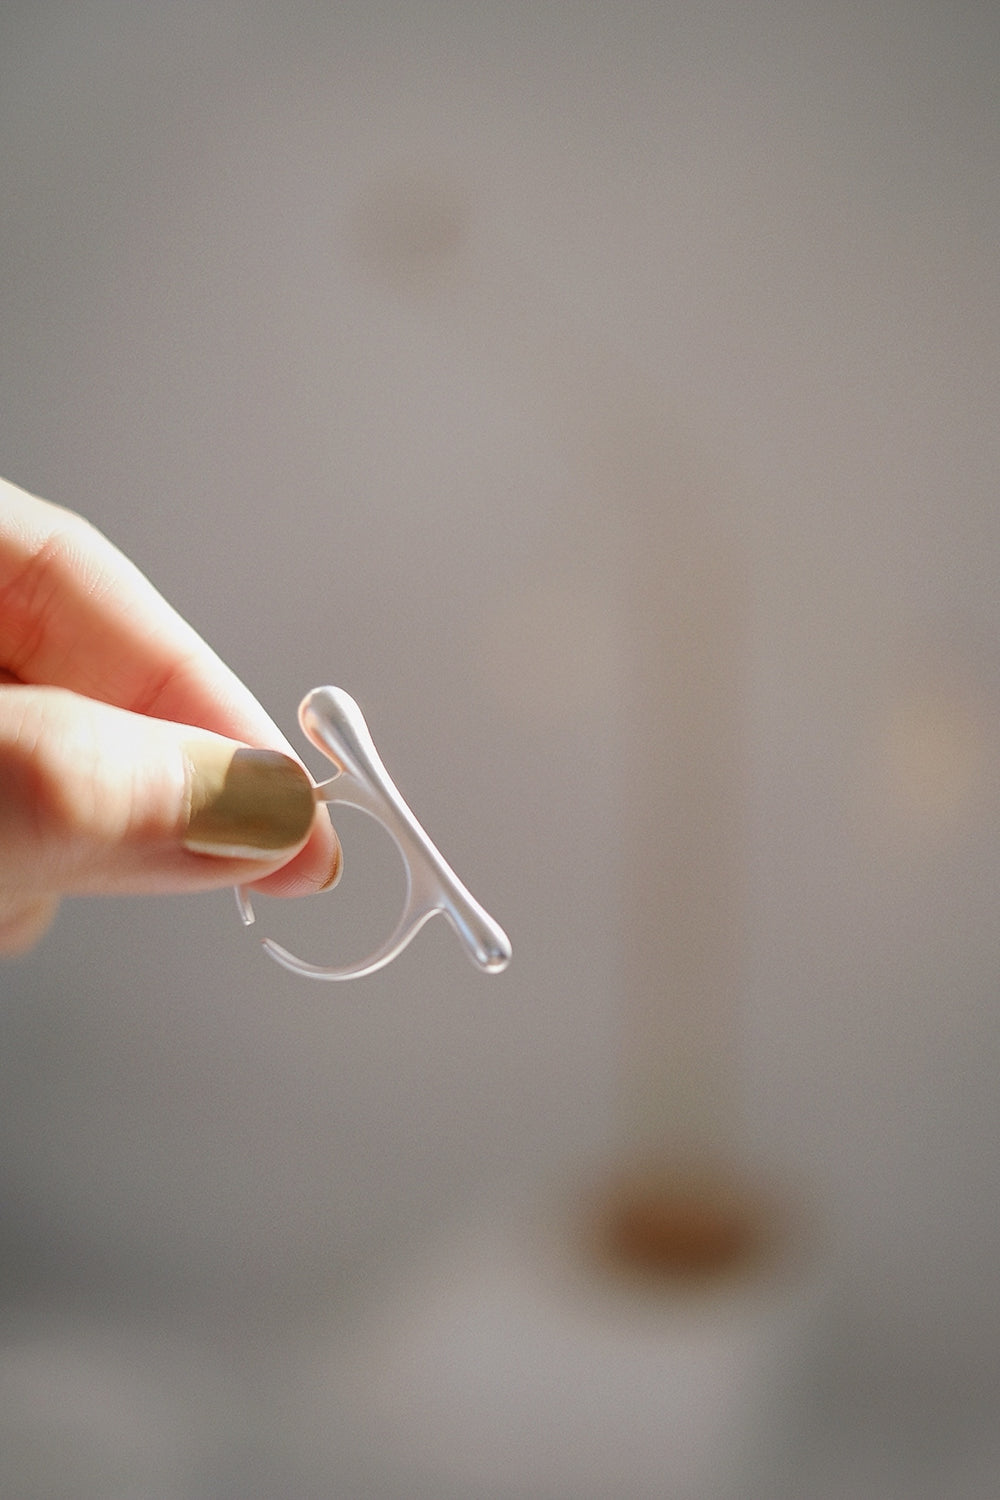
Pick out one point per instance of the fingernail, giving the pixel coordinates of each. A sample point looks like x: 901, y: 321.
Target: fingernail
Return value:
x: 245, y: 804
x: 336, y: 869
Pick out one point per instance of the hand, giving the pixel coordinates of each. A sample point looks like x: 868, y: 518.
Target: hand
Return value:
x: 131, y: 758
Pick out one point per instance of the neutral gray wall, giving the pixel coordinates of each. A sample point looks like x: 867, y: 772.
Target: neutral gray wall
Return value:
x: 321, y: 311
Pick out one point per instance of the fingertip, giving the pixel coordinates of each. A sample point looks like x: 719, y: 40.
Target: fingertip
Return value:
x: 317, y: 866
x: 244, y: 803
x: 25, y: 924
x: 337, y: 864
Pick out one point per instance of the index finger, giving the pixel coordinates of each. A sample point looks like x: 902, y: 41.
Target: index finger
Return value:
x: 76, y: 613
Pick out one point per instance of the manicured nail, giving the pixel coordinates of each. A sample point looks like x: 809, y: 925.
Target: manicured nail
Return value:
x: 245, y: 804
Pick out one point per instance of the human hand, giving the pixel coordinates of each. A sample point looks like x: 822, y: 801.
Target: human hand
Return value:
x: 131, y: 758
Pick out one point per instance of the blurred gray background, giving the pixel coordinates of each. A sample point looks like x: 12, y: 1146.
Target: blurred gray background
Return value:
x: 393, y: 342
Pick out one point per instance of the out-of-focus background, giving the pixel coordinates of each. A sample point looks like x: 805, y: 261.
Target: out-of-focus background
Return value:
x: 483, y: 360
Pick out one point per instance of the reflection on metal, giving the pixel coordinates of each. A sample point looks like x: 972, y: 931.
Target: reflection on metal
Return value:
x: 332, y: 720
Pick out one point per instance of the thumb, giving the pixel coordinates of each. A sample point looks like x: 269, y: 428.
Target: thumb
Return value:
x: 95, y: 799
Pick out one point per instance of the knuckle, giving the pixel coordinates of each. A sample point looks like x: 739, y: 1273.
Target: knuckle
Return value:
x: 52, y: 804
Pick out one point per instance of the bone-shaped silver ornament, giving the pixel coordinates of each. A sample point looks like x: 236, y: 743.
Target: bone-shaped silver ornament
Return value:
x: 334, y: 723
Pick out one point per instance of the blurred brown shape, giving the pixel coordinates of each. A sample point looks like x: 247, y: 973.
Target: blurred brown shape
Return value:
x: 683, y: 1227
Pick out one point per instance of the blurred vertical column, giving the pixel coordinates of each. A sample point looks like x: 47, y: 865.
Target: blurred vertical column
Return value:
x: 677, y: 1203
x: 658, y: 555
x: 628, y: 1346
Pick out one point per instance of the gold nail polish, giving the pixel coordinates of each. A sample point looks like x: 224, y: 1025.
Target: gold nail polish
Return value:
x: 245, y: 804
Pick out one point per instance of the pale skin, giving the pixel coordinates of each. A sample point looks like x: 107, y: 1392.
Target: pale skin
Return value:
x: 109, y: 705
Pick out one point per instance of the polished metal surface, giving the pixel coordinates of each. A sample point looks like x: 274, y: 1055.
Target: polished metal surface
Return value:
x: 334, y: 723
